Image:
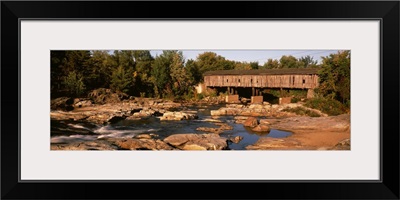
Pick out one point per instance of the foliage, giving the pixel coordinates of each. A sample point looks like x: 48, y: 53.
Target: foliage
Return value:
x: 122, y: 79
x: 307, y: 62
x: 271, y: 64
x: 326, y: 105
x: 73, y: 84
x: 334, y: 77
x: 294, y: 100
x: 193, y: 71
x: 288, y: 62
x: 209, y: 61
x: 302, y: 111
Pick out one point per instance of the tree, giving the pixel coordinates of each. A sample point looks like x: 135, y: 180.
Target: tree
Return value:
x: 194, y: 72
x: 288, y: 62
x: 307, y: 62
x: 209, y: 61
x: 179, y: 75
x: 334, y: 77
x: 254, y: 65
x: 101, y: 66
x: 160, y: 73
x: 122, y: 79
x: 73, y: 84
x: 271, y: 64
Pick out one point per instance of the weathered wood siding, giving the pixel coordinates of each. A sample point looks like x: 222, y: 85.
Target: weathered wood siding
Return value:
x: 262, y: 81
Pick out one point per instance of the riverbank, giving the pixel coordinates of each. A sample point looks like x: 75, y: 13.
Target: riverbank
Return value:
x: 308, y: 133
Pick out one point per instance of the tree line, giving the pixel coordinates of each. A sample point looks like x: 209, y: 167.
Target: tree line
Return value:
x: 138, y: 73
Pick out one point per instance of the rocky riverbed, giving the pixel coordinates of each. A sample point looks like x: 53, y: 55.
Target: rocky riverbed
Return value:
x: 81, y: 124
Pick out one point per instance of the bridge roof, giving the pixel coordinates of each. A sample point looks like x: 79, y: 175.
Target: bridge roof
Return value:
x: 299, y: 71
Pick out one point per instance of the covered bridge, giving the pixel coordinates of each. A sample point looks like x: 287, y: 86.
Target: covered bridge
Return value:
x: 258, y: 79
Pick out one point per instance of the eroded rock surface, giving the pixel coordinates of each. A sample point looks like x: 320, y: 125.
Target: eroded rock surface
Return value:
x: 197, y: 141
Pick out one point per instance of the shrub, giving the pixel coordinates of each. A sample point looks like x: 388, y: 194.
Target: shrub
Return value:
x: 294, y: 100
x: 328, y: 106
x: 302, y: 111
x: 200, y: 96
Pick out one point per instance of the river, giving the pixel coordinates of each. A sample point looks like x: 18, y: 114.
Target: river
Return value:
x: 152, y: 125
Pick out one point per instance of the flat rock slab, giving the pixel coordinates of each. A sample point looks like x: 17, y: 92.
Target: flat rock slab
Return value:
x: 197, y: 141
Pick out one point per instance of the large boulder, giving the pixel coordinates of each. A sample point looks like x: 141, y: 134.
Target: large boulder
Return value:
x: 103, y: 95
x: 197, y: 141
x: 251, y: 122
x: 261, y: 128
x: 62, y: 103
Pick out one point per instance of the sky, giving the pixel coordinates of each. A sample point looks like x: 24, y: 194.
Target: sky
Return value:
x: 259, y: 56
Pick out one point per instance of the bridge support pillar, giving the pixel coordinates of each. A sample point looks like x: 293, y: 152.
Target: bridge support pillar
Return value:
x: 229, y: 90
x: 253, y: 92
x: 310, y: 93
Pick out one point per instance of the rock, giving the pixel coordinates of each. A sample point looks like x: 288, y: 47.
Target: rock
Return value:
x: 115, y: 119
x: 133, y: 117
x: 222, y: 127
x: 157, y: 114
x: 208, y: 129
x: 266, y: 143
x: 100, y: 118
x: 133, y: 111
x: 240, y: 119
x: 83, y: 103
x: 225, y: 111
x: 178, y: 116
x: 264, y: 121
x: 261, y: 128
x: 250, y: 122
x: 342, y: 145
x: 141, y: 144
x: 213, y: 120
x: 256, y: 106
x: 194, y: 147
x: 219, y: 112
x: 143, y: 136
x: 197, y: 141
x: 86, y: 145
x: 103, y: 95
x: 236, y: 139
x: 62, y: 103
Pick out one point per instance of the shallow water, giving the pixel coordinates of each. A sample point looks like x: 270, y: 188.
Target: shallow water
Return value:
x: 131, y: 128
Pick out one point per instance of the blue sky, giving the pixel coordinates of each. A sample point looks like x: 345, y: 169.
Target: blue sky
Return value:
x: 254, y: 55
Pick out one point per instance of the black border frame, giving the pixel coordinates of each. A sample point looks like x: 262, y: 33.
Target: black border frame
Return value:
x: 386, y: 11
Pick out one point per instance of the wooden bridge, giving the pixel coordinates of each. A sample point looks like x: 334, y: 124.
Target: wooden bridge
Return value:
x: 257, y: 80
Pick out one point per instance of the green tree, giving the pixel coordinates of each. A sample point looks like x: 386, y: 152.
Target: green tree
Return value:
x: 179, y: 75
x: 209, y: 61
x: 160, y: 73
x: 101, y: 66
x: 288, y: 62
x: 194, y: 72
x: 307, y: 62
x: 73, y: 84
x: 122, y: 79
x: 334, y: 77
x: 254, y: 65
x: 271, y: 64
